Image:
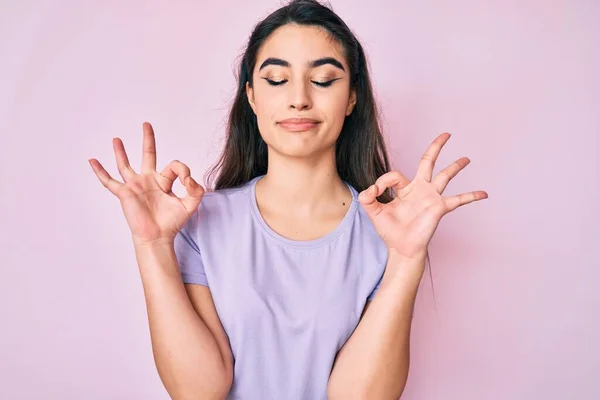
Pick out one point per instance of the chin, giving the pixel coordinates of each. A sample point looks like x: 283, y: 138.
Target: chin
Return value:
x: 299, y: 149
x: 295, y: 151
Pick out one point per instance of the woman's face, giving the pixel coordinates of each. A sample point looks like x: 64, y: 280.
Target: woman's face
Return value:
x: 301, y: 91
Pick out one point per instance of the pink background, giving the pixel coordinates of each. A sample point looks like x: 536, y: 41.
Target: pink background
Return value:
x: 516, y: 308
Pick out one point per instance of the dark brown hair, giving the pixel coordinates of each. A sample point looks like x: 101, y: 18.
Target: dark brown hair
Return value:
x: 361, y: 155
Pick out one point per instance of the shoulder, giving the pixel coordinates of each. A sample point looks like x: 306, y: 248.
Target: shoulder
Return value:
x: 226, y: 197
x: 222, y: 206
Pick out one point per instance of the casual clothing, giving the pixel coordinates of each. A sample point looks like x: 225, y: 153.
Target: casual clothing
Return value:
x: 287, y: 306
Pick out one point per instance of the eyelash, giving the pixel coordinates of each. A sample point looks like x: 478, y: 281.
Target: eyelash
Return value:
x: 278, y: 83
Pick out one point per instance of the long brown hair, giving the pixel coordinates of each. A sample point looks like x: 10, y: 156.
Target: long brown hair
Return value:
x: 361, y: 155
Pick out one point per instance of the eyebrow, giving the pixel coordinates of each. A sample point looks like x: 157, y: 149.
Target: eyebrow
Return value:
x: 310, y: 64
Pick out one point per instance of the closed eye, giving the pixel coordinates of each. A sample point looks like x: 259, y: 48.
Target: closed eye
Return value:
x: 320, y: 84
x: 324, y: 84
x: 275, y: 83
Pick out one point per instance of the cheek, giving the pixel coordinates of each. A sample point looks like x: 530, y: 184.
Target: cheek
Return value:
x: 267, y: 104
x: 335, y: 105
x: 336, y: 97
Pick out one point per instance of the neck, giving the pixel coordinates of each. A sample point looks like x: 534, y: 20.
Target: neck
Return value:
x: 302, y: 186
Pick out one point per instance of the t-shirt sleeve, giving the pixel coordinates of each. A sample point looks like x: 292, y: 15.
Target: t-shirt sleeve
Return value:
x: 188, y: 254
x: 374, y: 291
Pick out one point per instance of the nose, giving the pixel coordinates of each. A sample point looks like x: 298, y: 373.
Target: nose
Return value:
x: 300, y: 97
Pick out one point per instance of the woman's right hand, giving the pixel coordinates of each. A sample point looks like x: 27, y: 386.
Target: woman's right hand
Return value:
x: 154, y: 213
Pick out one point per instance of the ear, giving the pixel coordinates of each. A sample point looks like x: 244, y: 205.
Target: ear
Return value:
x: 351, y: 102
x: 250, y: 95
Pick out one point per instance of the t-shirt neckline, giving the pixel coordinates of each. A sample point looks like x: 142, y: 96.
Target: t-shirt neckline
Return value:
x: 332, y: 235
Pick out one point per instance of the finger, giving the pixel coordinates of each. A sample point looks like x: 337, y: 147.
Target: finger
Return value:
x: 174, y: 170
x: 368, y: 199
x: 177, y: 169
x: 392, y: 179
x: 125, y: 169
x: 442, y: 179
x: 453, y: 202
x: 194, y: 195
x: 149, y: 149
x: 427, y: 163
x: 108, y: 182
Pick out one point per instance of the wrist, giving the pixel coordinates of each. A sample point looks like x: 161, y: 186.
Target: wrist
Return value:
x: 153, y: 243
x: 417, y: 259
x: 403, y: 268
x: 156, y: 255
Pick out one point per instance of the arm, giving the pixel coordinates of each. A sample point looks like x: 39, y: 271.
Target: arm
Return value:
x: 374, y: 362
x: 190, y: 348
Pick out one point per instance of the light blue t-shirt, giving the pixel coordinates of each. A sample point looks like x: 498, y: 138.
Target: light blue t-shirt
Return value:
x: 287, y: 306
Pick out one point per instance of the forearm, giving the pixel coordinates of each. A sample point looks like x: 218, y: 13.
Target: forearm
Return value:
x: 186, y: 353
x: 374, y: 362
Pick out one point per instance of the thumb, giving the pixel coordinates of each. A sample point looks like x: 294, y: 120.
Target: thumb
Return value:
x: 194, y: 195
x: 368, y: 199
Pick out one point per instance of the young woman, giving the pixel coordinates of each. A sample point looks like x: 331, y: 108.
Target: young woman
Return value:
x: 295, y: 277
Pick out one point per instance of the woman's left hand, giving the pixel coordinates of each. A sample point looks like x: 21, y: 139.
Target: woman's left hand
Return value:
x: 408, y: 222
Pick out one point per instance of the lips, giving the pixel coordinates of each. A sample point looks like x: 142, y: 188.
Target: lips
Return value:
x: 298, y: 124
